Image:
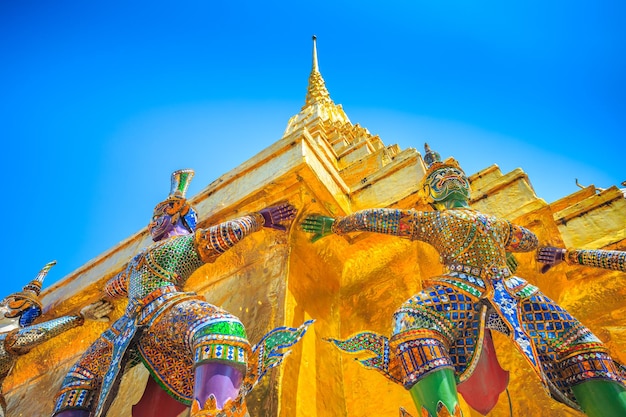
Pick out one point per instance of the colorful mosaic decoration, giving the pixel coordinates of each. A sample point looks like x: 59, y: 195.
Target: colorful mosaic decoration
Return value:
x: 467, y: 240
x: 270, y: 351
x: 598, y: 258
x: 216, y: 240
x: 377, y: 348
x: 442, y: 326
x: 266, y: 354
x: 173, y: 331
x: 18, y: 335
x: 607, y: 259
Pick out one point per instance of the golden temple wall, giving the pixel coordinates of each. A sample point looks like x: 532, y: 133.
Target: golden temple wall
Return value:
x: 346, y: 284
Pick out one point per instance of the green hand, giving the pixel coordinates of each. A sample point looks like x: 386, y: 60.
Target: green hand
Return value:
x: 319, y: 225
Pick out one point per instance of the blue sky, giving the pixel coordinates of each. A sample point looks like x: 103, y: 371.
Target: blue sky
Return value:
x: 100, y: 101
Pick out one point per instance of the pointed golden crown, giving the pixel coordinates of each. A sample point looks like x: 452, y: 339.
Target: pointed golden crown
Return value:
x: 176, y: 202
x: 35, y: 285
x: 29, y: 295
x: 180, y: 182
x: 433, y: 161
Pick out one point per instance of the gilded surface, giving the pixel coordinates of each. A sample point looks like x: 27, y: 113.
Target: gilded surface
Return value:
x: 324, y: 164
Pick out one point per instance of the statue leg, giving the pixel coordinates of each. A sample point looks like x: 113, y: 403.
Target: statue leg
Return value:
x: 216, y: 391
x: 217, y: 379
x: 581, y: 360
x: 436, y: 394
x: 220, y: 352
x: 79, y: 387
x: 601, y: 398
x: 427, y: 372
x: 424, y: 330
x: 210, y: 350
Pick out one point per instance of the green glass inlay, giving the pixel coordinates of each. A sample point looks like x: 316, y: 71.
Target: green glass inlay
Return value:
x: 225, y: 328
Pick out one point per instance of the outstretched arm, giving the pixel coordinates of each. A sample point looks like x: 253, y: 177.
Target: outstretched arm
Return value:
x: 118, y: 285
x: 520, y: 239
x: 388, y: 221
x: 606, y: 259
x: 214, y: 241
x: 24, y: 339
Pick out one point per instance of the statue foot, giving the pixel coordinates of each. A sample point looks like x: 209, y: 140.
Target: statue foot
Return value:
x: 232, y: 408
x: 442, y: 411
x: 404, y: 413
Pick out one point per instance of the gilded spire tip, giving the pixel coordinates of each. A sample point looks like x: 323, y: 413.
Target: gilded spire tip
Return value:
x: 315, y: 66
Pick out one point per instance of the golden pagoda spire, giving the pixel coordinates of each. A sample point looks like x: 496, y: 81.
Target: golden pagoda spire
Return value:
x: 316, y: 91
x: 318, y: 107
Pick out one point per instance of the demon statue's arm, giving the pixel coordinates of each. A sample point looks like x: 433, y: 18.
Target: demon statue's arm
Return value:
x: 214, y: 241
x: 606, y: 259
x: 395, y: 222
x: 22, y: 340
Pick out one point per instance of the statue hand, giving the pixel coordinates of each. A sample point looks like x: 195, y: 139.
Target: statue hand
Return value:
x: 550, y: 256
x: 276, y: 214
x: 511, y: 262
x: 97, y: 311
x: 319, y: 225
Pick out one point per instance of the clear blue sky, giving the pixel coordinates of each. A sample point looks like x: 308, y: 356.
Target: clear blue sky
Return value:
x: 100, y: 101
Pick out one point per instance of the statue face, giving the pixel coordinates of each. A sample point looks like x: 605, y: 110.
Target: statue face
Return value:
x: 172, y: 216
x: 447, y: 183
x: 161, y: 222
